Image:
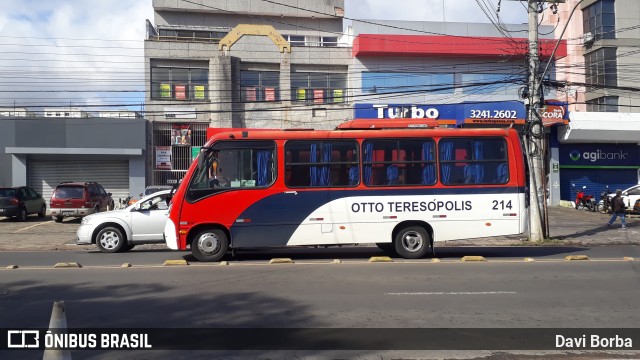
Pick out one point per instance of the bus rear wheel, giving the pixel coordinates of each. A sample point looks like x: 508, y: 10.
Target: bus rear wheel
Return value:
x: 209, y: 245
x: 412, y: 242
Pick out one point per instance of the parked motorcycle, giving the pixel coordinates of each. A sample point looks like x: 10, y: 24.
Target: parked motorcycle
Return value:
x: 583, y: 201
x: 604, y: 205
x: 124, y: 203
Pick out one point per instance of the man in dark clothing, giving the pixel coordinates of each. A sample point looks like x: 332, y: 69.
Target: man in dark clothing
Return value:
x: 619, y: 209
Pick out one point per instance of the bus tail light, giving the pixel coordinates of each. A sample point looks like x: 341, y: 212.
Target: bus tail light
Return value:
x: 509, y: 214
x: 439, y: 216
x: 243, y: 220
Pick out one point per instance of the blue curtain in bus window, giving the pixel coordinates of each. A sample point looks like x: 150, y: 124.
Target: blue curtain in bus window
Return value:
x: 502, y: 173
x: 313, y: 169
x: 429, y: 171
x: 368, y: 157
x: 264, y: 157
x: 446, y: 153
x: 392, y: 175
x: 325, y: 171
x: 354, y: 175
x: 478, y: 154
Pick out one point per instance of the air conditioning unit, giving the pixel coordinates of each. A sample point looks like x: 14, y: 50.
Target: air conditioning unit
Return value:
x: 588, y: 38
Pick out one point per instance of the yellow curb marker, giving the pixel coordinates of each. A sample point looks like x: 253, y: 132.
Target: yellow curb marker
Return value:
x: 576, y: 257
x: 281, y: 261
x: 11, y: 267
x: 473, y: 258
x: 66, y: 265
x: 629, y: 258
x: 125, y: 265
x: 435, y: 260
x: 336, y: 261
x: 224, y: 263
x: 380, y: 259
x: 529, y: 260
x: 175, y: 263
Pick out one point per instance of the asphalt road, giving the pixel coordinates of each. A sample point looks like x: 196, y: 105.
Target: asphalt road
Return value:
x: 493, y: 294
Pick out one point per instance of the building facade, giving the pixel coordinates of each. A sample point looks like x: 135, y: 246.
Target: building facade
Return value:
x: 599, y: 146
x: 250, y: 64
x: 43, y: 152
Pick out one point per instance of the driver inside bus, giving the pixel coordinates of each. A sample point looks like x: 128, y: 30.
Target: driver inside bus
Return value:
x: 216, y: 178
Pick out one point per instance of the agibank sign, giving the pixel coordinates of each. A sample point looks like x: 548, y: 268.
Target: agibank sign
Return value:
x: 599, y: 155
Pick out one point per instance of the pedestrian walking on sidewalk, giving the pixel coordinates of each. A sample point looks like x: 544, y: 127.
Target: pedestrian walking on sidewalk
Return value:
x: 619, y: 209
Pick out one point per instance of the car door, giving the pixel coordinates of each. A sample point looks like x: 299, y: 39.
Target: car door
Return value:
x: 35, y: 200
x: 148, y: 220
x: 25, y: 198
x: 633, y: 194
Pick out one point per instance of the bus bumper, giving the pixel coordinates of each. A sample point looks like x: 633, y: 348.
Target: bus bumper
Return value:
x: 171, y: 235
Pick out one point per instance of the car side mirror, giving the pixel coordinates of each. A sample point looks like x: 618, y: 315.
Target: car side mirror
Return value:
x: 108, y: 194
x: 625, y: 194
x: 140, y: 195
x: 168, y: 199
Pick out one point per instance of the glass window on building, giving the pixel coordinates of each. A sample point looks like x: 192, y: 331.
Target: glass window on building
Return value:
x: 179, y: 83
x: 407, y: 83
x: 601, y: 67
x: 498, y: 84
x: 259, y: 86
x: 603, y: 104
x: 318, y: 88
x: 599, y: 19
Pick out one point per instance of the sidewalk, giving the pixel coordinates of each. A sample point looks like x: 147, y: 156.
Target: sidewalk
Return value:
x: 568, y: 226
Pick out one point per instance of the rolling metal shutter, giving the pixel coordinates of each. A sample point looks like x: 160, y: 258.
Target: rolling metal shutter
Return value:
x: 595, y: 180
x: 44, y: 176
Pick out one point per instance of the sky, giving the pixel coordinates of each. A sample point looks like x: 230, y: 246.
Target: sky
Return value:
x: 80, y: 52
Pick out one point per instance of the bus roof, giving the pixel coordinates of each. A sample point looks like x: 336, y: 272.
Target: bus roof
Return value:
x: 280, y: 134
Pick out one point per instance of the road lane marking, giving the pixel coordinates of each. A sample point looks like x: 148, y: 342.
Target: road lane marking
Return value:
x: 32, y: 226
x: 455, y: 293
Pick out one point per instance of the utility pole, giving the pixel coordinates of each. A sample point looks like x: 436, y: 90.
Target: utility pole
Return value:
x: 535, y: 132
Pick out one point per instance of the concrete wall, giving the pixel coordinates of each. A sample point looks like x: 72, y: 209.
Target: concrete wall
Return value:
x: 297, y: 8
x: 59, y: 138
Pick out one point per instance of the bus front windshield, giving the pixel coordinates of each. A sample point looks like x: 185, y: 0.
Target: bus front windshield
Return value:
x: 235, y: 165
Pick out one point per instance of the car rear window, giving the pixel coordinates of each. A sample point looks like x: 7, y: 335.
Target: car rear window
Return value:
x: 69, y: 192
x: 7, y: 192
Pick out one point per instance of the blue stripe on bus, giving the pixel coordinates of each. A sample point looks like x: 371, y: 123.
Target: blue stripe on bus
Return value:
x: 275, y: 218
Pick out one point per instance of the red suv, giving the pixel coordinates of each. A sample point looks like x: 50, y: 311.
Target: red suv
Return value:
x: 78, y: 199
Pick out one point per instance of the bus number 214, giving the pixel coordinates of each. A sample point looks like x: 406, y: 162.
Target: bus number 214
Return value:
x: 501, y: 205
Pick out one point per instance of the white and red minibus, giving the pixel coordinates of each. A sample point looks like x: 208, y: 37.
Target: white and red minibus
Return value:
x: 401, y: 189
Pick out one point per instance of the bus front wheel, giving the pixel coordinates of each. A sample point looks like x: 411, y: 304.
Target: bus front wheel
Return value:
x: 412, y: 242
x: 209, y: 245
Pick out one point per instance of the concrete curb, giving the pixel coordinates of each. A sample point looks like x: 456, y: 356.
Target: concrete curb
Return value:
x: 66, y: 265
x: 281, y: 261
x: 576, y: 257
x: 473, y: 258
x: 175, y: 263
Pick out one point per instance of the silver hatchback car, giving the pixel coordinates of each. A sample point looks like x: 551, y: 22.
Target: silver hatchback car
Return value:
x: 121, y: 230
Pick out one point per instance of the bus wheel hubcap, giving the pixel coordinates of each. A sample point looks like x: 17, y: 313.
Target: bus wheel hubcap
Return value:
x: 412, y: 241
x: 208, y: 244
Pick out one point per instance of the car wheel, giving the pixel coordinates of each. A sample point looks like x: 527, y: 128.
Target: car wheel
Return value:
x: 22, y: 216
x: 43, y: 211
x: 209, y: 245
x: 58, y: 219
x: 412, y: 242
x: 110, y: 239
x: 97, y: 209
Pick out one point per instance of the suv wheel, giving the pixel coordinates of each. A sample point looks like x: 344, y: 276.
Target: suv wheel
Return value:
x: 43, y: 211
x: 58, y: 219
